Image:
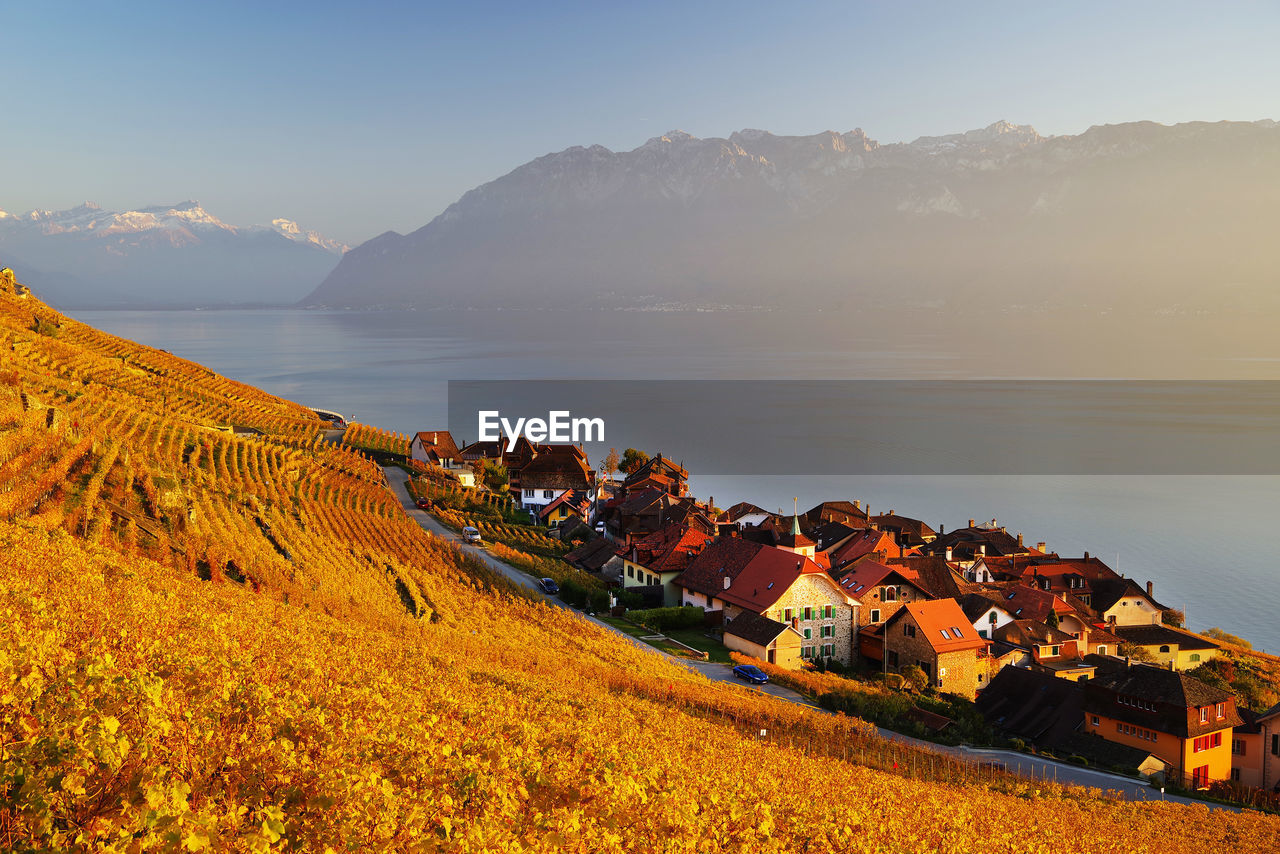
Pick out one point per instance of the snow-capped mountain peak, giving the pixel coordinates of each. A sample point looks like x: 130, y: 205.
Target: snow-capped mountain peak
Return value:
x: 294, y: 232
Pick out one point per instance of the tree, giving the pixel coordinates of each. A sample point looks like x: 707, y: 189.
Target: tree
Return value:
x: 1173, y: 617
x: 1052, y: 620
x: 632, y: 460
x: 915, y: 676
x: 610, y: 463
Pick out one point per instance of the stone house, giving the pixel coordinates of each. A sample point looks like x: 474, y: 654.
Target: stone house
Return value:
x: 880, y: 589
x: 936, y: 637
x: 737, y: 576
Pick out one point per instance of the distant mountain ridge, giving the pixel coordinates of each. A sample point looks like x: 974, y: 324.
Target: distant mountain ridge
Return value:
x: 1136, y: 212
x: 162, y: 255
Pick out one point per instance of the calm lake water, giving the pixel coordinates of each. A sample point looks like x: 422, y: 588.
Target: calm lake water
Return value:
x: 1203, y: 540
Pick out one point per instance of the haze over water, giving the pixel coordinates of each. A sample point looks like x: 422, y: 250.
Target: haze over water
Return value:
x: 1200, y: 539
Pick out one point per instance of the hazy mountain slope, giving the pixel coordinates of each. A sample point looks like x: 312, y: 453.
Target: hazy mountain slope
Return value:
x: 165, y: 255
x: 1136, y: 212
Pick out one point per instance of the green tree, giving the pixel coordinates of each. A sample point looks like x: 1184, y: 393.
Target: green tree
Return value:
x: 632, y: 460
x: 915, y: 677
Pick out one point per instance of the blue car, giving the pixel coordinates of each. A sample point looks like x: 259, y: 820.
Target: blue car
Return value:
x: 751, y: 673
x: 549, y: 586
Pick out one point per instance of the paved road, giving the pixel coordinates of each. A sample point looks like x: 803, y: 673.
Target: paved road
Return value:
x: 1031, y: 766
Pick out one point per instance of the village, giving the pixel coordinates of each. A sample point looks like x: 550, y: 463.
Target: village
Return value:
x: 1058, y: 653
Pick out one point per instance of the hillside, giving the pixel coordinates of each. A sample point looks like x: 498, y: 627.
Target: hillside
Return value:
x: 241, y: 642
x: 1137, y: 216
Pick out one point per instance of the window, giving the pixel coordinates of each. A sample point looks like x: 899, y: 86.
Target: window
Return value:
x: 1235, y: 775
x: 826, y: 612
x: 828, y: 649
x: 1237, y: 746
x: 808, y: 614
x: 1204, y: 715
x: 1054, y: 650
x: 893, y: 659
x: 1102, y: 649
x: 1095, y: 720
x: 806, y: 652
x: 1164, y: 648
x: 808, y: 634
x: 548, y: 493
x: 1195, y: 656
x: 956, y: 632
x: 908, y: 630
x: 828, y: 631
x: 982, y: 633
x: 991, y: 618
x: 1222, y: 711
x: 945, y: 636
x: 890, y: 594
x: 1200, y: 777
x: 1215, y: 740
x: 787, y: 614
x: 1275, y: 745
x: 875, y: 615
x: 631, y: 572
x: 528, y: 493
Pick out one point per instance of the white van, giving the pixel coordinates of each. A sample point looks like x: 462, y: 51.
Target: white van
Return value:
x: 471, y: 535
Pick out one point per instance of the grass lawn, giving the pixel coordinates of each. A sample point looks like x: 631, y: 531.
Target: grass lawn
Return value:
x: 695, y: 638
x: 623, y: 626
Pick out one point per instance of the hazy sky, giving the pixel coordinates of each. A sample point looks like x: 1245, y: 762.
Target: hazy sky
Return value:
x: 358, y: 118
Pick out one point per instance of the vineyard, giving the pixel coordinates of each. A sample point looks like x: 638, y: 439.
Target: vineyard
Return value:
x: 459, y: 507
x: 362, y: 437
x: 218, y: 633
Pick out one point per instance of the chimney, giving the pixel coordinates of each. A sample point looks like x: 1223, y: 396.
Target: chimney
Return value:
x: 948, y: 558
x: 856, y: 504
x: 727, y: 582
x: 435, y: 438
x: 1150, y: 588
x: 982, y: 550
x: 1086, y: 555
x: 970, y: 523
x: 1019, y: 539
x: 942, y: 529
x: 1041, y: 546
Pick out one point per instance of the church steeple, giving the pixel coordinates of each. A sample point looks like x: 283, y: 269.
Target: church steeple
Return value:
x: 796, y: 541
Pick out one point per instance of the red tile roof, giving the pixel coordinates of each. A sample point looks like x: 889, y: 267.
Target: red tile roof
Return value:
x: 867, y: 542
x: 1029, y: 603
x: 866, y: 575
x: 439, y: 442
x: 669, y: 549
x: 943, y: 625
x: 758, y: 574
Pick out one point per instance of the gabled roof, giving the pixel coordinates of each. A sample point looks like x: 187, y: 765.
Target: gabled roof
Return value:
x: 866, y: 542
x: 845, y: 512
x: 965, y: 541
x: 916, y: 532
x: 866, y: 575
x: 1026, y: 633
x: 669, y: 549
x: 438, y: 442
x: 1028, y: 603
x: 755, y: 628
x: 1108, y: 591
x: 942, y: 625
x: 828, y: 534
x: 574, y: 499
x: 758, y: 574
x: 592, y: 556
x: 1160, y: 635
x: 737, y: 511
x: 934, y: 575
x: 555, y: 471
x: 975, y: 605
x: 1172, y: 693
x: 658, y: 466
x: 1032, y: 705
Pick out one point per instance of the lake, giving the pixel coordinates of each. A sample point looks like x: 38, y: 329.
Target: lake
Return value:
x: 1182, y: 532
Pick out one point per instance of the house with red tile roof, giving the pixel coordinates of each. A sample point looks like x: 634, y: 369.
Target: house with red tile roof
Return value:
x: 848, y: 513
x: 867, y: 542
x: 660, y: 557
x: 936, y: 637
x: 735, y: 575
x: 554, y: 471
x: 881, y: 589
x: 437, y: 448
x: 907, y: 531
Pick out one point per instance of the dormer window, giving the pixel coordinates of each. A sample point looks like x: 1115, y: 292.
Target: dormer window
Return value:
x: 1204, y: 715
x: 1222, y: 711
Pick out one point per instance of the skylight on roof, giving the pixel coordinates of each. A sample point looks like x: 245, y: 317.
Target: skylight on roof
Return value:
x: 956, y: 632
x: 945, y: 636
x: 770, y: 587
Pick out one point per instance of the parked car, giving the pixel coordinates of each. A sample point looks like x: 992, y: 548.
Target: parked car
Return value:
x: 751, y: 673
x: 472, y: 535
x: 549, y: 586
x: 423, y: 503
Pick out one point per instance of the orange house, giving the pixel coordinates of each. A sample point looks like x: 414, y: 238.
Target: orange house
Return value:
x: 1180, y: 720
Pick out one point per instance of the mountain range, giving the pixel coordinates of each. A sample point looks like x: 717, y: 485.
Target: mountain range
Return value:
x: 1136, y: 215
x: 168, y: 255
